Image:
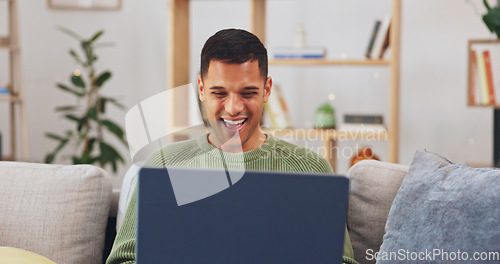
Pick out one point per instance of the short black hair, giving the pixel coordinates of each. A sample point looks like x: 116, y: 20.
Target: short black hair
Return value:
x: 233, y: 46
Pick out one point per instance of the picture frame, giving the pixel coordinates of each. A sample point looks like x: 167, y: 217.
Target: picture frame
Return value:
x: 104, y: 5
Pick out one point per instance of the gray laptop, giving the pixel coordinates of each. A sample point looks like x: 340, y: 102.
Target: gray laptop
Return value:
x: 215, y: 216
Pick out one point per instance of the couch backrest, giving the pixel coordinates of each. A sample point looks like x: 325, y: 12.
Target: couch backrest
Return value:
x: 374, y: 185
x: 57, y: 211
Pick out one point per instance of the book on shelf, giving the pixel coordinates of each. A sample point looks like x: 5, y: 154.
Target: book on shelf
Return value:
x: 489, y: 76
x: 483, y: 83
x: 299, y: 53
x: 363, y: 119
x: 372, y: 39
x: 385, y: 44
x: 473, y: 90
x: 382, y: 35
x: 4, y: 90
x: 276, y: 110
x: 361, y: 122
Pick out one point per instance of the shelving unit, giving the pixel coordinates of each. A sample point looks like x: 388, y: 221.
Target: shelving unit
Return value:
x: 495, y: 107
x: 15, y: 87
x: 178, y: 73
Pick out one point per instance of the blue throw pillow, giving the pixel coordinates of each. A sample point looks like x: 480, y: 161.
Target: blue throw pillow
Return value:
x: 444, y: 213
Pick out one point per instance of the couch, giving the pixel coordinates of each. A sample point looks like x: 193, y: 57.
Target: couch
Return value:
x: 68, y: 213
x: 60, y: 212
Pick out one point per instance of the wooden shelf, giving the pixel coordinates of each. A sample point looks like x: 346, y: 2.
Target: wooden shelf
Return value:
x: 497, y: 106
x: 8, y: 158
x: 10, y: 98
x: 327, y: 62
x: 4, y: 43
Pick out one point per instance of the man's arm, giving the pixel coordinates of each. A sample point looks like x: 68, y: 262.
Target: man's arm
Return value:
x: 348, y: 255
x: 123, y: 250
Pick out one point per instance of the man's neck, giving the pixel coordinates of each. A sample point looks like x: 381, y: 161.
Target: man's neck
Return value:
x: 238, y: 148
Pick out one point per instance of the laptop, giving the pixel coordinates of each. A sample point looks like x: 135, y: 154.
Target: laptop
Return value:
x: 216, y: 216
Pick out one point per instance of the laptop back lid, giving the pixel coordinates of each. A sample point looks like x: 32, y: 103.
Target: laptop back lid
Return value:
x: 265, y: 217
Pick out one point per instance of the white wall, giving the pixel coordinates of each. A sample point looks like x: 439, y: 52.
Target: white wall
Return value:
x: 434, y: 114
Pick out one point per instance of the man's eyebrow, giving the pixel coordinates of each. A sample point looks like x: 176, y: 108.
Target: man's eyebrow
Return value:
x: 245, y: 88
x: 217, y: 88
x: 251, y: 88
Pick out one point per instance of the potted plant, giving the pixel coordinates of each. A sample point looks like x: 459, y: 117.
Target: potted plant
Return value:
x: 492, y: 18
x: 88, y: 114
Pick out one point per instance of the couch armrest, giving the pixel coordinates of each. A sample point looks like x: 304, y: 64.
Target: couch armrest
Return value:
x: 374, y: 185
x: 57, y: 211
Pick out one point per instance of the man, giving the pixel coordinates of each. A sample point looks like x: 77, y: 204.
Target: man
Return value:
x: 234, y: 86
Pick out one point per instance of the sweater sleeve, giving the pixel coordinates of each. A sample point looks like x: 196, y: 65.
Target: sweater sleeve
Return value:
x: 348, y: 255
x: 123, y: 250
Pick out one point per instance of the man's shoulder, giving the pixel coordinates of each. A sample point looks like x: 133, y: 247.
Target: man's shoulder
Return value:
x: 286, y: 147
x: 298, y: 156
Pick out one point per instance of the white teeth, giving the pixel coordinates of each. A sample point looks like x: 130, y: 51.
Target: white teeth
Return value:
x: 234, y: 122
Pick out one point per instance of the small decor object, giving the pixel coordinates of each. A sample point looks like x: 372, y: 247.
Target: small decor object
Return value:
x: 370, y: 123
x: 299, y: 49
x: 85, y: 4
x: 87, y: 138
x: 299, y: 37
x: 4, y: 90
x: 364, y: 153
x: 325, y: 116
x: 492, y: 18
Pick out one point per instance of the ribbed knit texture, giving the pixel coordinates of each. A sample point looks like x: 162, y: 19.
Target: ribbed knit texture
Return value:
x: 273, y: 155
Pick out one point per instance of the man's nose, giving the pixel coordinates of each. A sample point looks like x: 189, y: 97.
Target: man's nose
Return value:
x: 234, y: 105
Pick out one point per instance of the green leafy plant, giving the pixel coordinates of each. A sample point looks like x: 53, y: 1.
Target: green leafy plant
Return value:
x: 492, y: 18
x: 88, y: 114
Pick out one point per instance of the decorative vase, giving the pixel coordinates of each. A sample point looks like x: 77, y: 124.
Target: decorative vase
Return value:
x: 325, y: 116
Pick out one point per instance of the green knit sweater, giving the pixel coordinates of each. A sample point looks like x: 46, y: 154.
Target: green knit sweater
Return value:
x: 273, y: 155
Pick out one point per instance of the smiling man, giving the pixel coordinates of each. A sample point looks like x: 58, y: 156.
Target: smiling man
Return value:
x: 234, y: 95
x: 234, y: 85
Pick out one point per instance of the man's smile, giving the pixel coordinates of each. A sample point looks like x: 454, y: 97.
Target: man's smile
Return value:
x: 234, y: 125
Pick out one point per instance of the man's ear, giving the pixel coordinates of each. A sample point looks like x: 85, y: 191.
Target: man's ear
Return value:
x: 201, y: 89
x: 267, y: 89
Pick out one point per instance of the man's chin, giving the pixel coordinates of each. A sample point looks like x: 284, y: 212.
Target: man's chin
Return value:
x: 226, y: 139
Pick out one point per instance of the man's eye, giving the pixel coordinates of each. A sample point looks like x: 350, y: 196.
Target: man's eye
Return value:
x: 219, y: 94
x: 247, y: 95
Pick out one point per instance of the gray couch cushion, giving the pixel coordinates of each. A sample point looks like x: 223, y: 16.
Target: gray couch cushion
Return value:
x: 443, y: 208
x: 59, y: 212
x: 374, y: 185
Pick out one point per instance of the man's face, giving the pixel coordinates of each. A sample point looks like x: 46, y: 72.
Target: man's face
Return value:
x: 234, y: 96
